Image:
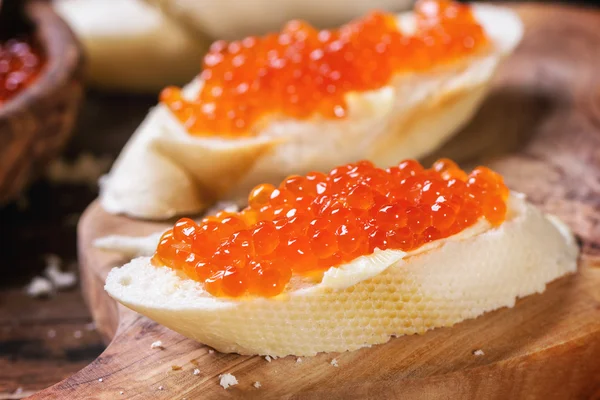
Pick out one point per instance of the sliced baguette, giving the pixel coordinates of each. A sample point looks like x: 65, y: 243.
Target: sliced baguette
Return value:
x: 369, y: 300
x: 234, y: 19
x: 408, y: 119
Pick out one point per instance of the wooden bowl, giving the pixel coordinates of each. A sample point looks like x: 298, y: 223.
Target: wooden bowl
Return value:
x: 37, y: 122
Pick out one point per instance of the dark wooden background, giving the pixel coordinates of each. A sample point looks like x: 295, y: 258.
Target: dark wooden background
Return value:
x: 42, y: 341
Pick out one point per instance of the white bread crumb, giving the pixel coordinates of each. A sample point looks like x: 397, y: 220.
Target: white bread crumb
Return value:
x: 478, y: 353
x: 39, y: 287
x: 161, y: 387
x: 100, y: 380
x: 19, y: 393
x: 77, y: 334
x: 334, y: 363
x: 210, y: 351
x: 121, y: 392
x: 298, y: 360
x: 196, y: 372
x: 60, y: 280
x: 268, y: 358
x: 256, y: 384
x: 157, y: 345
x: 55, y: 279
x: 227, y: 380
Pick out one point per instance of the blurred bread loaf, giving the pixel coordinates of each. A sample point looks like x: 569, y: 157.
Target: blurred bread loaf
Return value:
x: 132, y: 46
x: 234, y: 19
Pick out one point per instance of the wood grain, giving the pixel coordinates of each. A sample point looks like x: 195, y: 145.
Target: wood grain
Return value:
x: 540, y: 127
x: 43, y: 341
x: 36, y: 123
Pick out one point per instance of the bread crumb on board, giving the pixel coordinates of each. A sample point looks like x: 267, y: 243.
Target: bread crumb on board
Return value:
x: 176, y: 368
x: 268, y: 358
x: 61, y: 280
x: 100, y: 380
x: 54, y: 279
x: 298, y: 360
x: 334, y: 362
x: 196, y: 372
x: 256, y: 384
x: 161, y: 388
x: 227, y: 380
x: 39, y: 287
x: 210, y: 351
x: 478, y: 353
x: 157, y: 345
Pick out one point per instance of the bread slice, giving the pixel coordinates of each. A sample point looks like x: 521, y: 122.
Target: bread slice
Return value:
x: 234, y: 19
x: 131, y: 46
x: 368, y: 300
x: 164, y: 171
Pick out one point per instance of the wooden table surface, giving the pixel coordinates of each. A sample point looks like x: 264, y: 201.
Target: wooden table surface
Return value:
x: 43, y: 341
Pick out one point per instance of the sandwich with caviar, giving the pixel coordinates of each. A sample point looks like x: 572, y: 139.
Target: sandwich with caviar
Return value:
x: 384, y: 87
x: 339, y: 261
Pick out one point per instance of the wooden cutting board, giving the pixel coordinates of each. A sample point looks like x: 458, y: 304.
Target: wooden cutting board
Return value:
x: 540, y: 127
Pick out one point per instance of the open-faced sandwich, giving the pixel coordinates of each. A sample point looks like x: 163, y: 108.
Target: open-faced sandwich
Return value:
x: 339, y: 261
x: 382, y: 88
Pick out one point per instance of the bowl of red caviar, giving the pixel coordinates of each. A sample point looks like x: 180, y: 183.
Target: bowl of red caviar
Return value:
x: 41, y: 88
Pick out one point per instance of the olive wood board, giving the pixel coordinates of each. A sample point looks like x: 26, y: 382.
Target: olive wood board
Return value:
x: 540, y: 127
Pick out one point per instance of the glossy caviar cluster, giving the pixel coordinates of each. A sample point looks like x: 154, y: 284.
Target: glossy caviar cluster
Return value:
x: 20, y: 64
x: 311, y: 223
x: 303, y: 71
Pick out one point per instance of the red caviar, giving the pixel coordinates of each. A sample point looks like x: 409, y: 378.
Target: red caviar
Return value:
x: 303, y: 71
x: 20, y: 64
x: 311, y: 223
